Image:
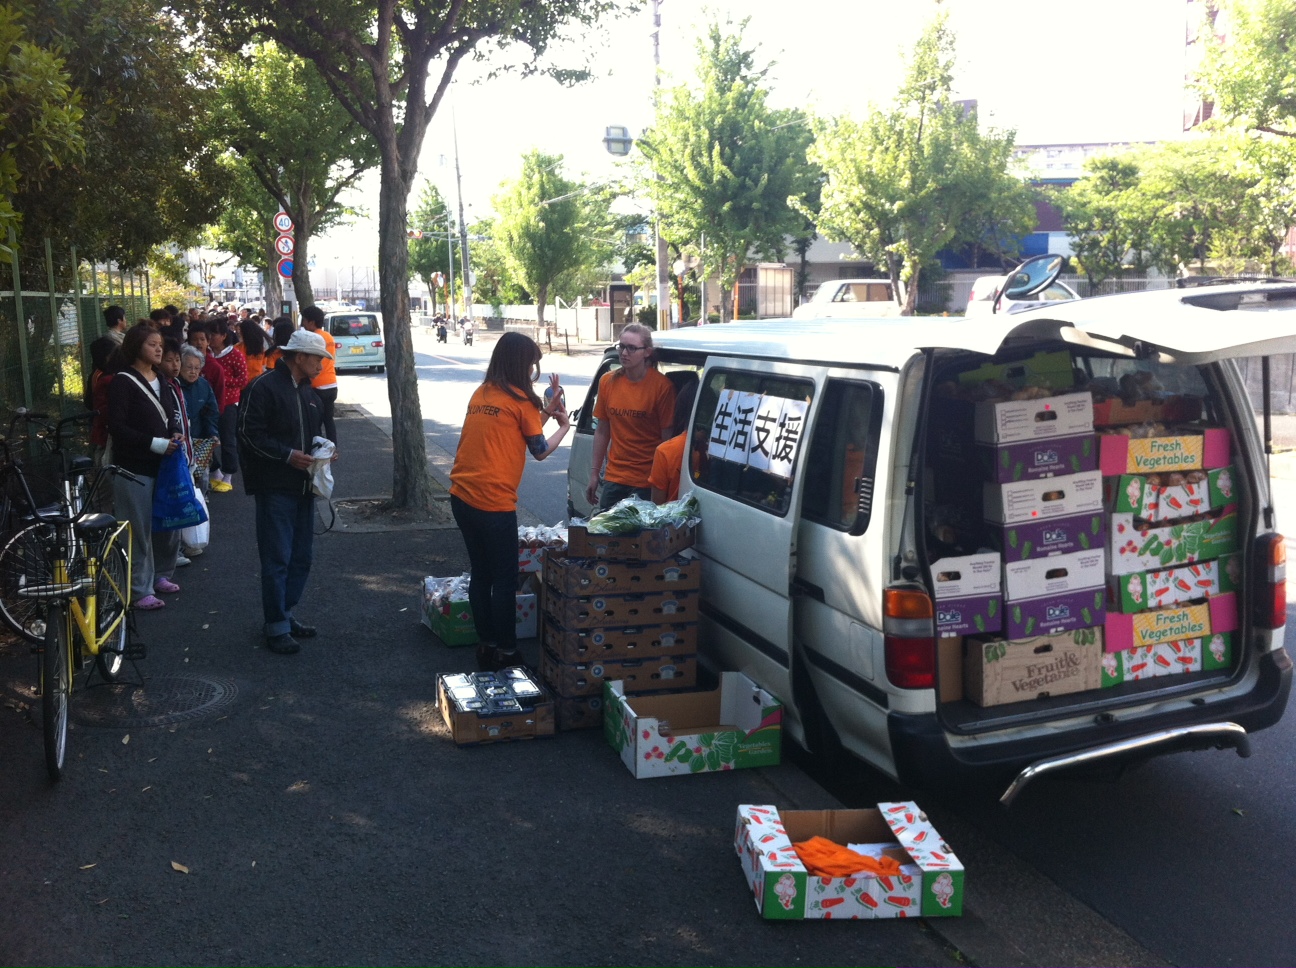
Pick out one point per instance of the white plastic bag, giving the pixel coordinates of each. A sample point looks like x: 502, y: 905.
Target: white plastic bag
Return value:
x: 197, y: 536
x: 321, y: 472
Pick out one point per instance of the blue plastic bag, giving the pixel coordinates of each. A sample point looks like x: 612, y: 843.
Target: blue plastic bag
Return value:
x: 175, y: 505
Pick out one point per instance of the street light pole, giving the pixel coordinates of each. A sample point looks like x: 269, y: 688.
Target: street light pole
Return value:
x: 663, y: 263
x: 463, y: 223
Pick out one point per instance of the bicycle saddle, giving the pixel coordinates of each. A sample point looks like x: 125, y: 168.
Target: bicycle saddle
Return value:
x: 93, y: 524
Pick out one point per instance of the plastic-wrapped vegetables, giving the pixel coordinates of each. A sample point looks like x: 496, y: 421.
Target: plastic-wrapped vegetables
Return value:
x: 635, y: 514
x: 440, y: 592
x: 542, y: 536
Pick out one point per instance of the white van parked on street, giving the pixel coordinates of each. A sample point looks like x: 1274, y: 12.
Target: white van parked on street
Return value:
x: 850, y: 473
x: 849, y: 299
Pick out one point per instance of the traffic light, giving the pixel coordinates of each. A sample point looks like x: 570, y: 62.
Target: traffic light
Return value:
x: 414, y: 234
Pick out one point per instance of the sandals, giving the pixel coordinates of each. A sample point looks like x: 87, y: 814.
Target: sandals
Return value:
x: 165, y: 586
x: 149, y: 603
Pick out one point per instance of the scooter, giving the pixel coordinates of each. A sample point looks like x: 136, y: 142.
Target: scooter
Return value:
x: 441, y: 332
x: 467, y: 334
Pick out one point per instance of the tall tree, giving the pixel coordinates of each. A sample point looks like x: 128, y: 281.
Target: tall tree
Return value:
x: 244, y: 230
x: 724, y: 163
x: 430, y: 255
x: 912, y: 179
x: 550, y: 228
x: 39, y: 114
x: 497, y: 283
x: 1102, y: 217
x: 389, y: 64
x: 148, y: 175
x: 299, y: 142
x: 1250, y: 77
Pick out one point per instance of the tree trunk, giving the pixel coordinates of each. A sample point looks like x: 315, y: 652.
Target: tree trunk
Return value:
x: 301, y: 272
x: 411, y: 483
x: 273, y: 281
x: 542, y: 300
x: 911, y: 295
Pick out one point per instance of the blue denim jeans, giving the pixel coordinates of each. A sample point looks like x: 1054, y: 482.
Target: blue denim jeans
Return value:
x: 285, y: 530
x: 492, y: 540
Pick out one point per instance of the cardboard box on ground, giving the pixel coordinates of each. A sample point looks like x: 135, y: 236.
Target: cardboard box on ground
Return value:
x: 930, y: 882
x: 494, y: 707
x: 735, y: 726
x: 452, y: 620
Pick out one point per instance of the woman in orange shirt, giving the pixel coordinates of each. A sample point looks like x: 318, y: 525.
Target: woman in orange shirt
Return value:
x: 668, y: 460
x: 505, y: 419
x: 254, y: 348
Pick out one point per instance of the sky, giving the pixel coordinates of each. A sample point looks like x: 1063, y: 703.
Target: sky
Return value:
x: 1101, y: 70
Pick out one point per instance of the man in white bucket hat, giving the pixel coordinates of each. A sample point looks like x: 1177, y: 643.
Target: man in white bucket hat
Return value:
x: 281, y: 414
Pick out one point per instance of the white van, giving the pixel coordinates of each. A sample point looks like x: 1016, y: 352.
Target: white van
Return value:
x: 824, y: 553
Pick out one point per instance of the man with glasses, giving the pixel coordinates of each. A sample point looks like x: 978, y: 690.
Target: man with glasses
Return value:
x: 634, y: 408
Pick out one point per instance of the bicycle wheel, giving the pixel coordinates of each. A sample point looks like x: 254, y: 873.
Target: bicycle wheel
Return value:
x: 112, y: 589
x: 22, y: 562
x: 56, y: 689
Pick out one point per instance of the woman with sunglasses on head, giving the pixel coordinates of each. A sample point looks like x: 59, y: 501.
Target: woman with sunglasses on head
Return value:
x: 635, y: 407
x: 505, y: 419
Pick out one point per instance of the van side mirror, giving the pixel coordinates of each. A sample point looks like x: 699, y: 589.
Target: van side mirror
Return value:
x: 1031, y: 277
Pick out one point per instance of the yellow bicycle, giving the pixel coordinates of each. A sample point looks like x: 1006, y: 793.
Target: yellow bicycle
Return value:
x: 77, y: 564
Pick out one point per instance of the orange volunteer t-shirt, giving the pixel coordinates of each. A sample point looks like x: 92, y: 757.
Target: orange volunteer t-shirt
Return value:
x: 327, y: 374
x: 667, y: 461
x: 492, y: 449
x: 639, y: 413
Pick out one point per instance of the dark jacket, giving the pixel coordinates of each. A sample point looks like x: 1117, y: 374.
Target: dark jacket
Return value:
x: 277, y: 417
x: 204, y: 410
x: 134, y: 420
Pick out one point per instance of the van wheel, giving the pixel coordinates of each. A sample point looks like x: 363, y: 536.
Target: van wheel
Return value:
x: 379, y: 369
x: 821, y: 739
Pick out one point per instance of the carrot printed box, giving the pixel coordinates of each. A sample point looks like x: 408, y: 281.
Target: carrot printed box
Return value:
x: 1157, y: 498
x: 1176, y: 586
x: 734, y: 727
x: 929, y: 882
x: 1167, y: 659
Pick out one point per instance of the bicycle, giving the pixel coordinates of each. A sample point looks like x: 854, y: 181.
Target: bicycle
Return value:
x: 66, y: 482
x: 77, y: 566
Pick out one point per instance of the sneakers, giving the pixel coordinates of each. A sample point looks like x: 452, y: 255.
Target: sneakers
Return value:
x: 222, y: 487
x: 182, y: 561
x: 283, y: 644
x: 190, y: 552
x: 149, y: 603
x: 165, y: 586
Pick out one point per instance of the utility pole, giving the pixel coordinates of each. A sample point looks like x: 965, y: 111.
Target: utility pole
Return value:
x: 463, y: 223
x: 663, y: 262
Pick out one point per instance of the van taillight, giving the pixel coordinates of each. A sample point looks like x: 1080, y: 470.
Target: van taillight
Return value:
x: 1269, y: 603
x: 377, y: 343
x: 909, y: 638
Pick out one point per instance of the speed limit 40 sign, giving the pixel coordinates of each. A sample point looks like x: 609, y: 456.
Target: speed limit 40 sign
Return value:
x: 283, y: 222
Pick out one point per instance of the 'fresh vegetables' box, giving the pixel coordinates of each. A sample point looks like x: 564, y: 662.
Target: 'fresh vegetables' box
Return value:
x: 1043, y: 458
x: 997, y: 671
x: 1055, y: 576
x: 1207, y: 448
x: 1158, y: 498
x: 738, y: 725
x: 1172, y: 624
x: 1062, y: 612
x: 1009, y: 421
x: 930, y: 882
x: 1175, y: 586
x: 1136, y: 549
x: 1167, y: 659
x: 1046, y: 498
x: 1053, y: 536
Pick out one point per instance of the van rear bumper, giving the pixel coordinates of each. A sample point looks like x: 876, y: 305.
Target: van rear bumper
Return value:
x: 925, y: 759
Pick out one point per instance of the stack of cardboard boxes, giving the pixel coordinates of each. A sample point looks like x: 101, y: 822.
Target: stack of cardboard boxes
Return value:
x: 1116, y: 545
x: 618, y: 607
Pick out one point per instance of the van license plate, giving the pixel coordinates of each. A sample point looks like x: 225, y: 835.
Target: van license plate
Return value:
x: 356, y: 349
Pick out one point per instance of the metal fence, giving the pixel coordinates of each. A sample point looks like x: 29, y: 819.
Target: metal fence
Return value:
x: 50, y: 313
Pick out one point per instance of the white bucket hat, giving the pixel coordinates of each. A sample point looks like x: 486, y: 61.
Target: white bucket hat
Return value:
x: 304, y: 341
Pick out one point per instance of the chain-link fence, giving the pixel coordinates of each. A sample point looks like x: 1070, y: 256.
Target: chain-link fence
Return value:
x: 51, y: 309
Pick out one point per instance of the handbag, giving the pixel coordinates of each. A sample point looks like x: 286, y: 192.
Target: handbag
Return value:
x: 196, y: 537
x: 175, y: 503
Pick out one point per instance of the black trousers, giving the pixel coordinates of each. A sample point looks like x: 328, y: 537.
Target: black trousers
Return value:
x: 329, y: 397
x: 491, y: 537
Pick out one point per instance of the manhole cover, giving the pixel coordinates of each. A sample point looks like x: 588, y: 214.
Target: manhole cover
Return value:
x: 161, y: 701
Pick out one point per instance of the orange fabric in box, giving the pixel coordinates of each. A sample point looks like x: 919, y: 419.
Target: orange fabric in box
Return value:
x: 824, y: 858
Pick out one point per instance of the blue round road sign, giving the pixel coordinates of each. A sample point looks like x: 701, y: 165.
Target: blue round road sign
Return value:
x: 286, y: 268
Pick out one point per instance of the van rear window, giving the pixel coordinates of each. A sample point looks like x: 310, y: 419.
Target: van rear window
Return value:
x: 747, y: 436
x: 354, y: 326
